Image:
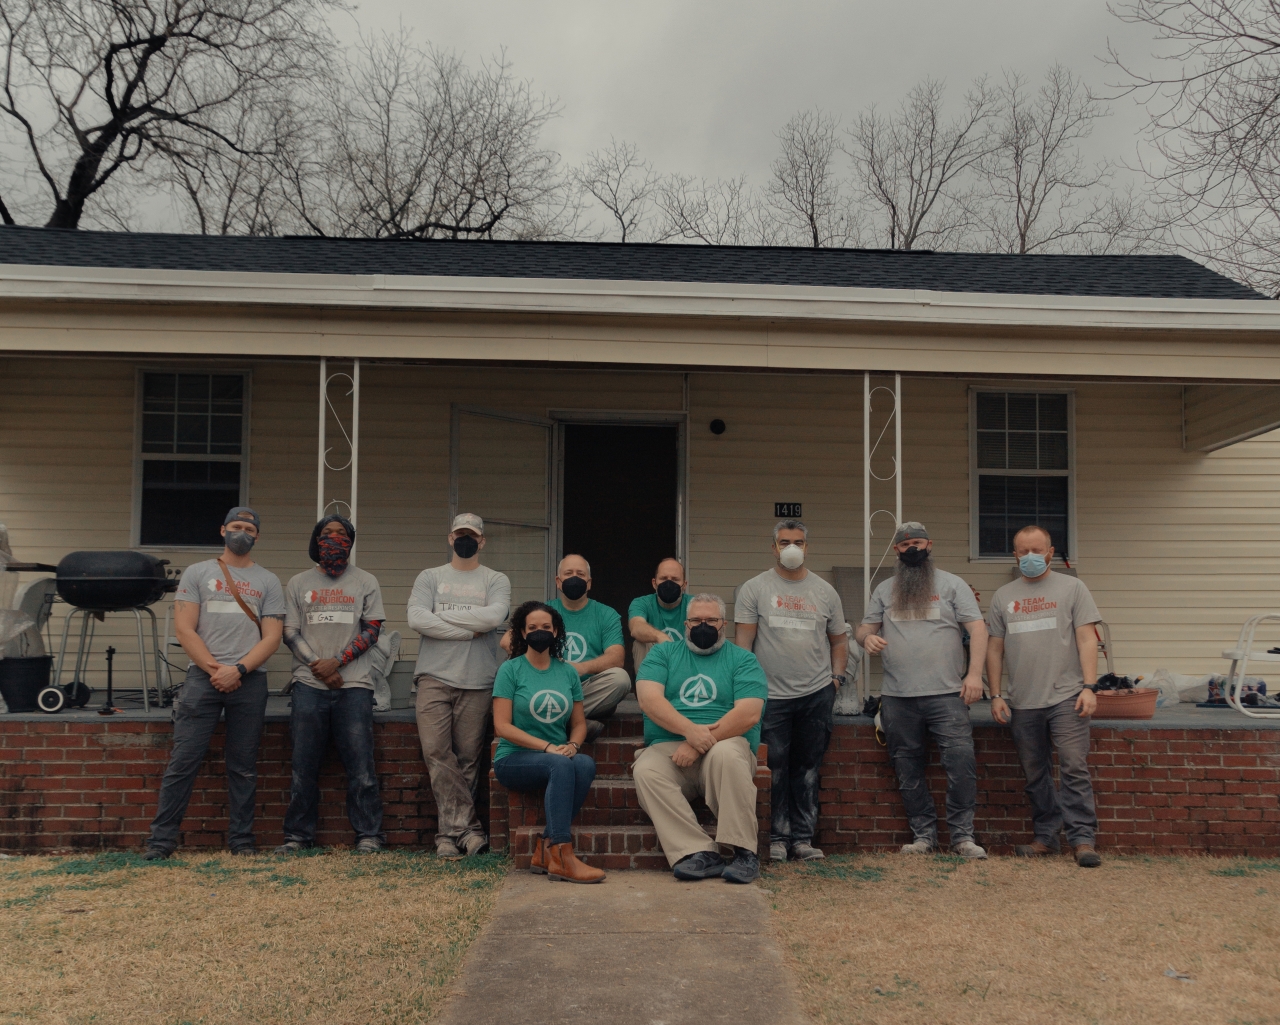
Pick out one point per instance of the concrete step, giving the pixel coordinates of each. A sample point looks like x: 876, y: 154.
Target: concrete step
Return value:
x: 614, y: 847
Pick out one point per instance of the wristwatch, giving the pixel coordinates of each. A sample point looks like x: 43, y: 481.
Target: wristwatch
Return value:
x: 243, y: 671
x: 841, y: 677
x: 1091, y: 686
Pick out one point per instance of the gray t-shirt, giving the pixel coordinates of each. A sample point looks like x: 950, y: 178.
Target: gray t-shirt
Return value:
x: 792, y: 619
x: 1038, y: 623
x: 448, y: 607
x: 328, y: 612
x: 925, y: 654
x: 226, y: 631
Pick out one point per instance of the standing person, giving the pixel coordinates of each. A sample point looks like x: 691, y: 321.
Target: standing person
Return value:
x: 794, y: 622
x: 538, y: 717
x: 457, y: 608
x: 333, y: 619
x: 1042, y: 626
x: 228, y: 614
x: 659, y: 617
x: 915, y: 622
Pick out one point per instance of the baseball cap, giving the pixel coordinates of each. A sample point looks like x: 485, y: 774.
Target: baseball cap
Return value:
x: 909, y: 531
x: 244, y: 514
x: 468, y: 521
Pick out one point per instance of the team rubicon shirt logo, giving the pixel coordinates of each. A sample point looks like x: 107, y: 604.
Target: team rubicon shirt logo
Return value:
x: 793, y: 603
x: 1030, y: 605
x: 698, y: 691
x: 575, y: 647
x: 329, y: 596
x: 548, y: 706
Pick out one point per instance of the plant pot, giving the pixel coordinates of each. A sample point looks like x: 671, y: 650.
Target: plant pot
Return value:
x: 21, y: 679
x: 1139, y: 703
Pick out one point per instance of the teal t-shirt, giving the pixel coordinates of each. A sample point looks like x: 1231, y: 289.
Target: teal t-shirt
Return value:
x: 669, y: 621
x: 589, y: 630
x: 541, y: 700
x: 703, y: 688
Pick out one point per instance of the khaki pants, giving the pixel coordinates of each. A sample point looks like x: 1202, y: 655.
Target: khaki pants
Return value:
x: 724, y: 777
x: 452, y: 725
x: 602, y: 693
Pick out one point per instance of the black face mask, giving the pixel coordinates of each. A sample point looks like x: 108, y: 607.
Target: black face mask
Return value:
x: 466, y: 546
x: 539, y: 640
x: 914, y: 556
x: 668, y: 592
x: 574, y: 588
x: 704, y: 635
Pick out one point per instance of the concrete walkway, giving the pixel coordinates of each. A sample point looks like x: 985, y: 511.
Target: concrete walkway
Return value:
x: 638, y: 949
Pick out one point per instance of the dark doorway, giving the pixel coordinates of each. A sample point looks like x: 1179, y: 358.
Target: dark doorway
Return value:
x: 620, y: 493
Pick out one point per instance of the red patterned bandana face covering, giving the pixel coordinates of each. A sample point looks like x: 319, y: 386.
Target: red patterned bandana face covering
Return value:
x: 335, y: 550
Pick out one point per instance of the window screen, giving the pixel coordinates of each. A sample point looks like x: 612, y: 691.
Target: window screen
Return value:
x: 1023, y: 467
x: 192, y: 451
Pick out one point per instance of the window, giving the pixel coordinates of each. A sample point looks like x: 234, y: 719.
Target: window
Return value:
x: 191, y: 455
x: 1021, y: 453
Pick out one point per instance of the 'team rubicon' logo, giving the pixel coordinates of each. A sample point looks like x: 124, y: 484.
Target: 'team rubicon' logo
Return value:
x: 698, y: 691
x: 548, y: 706
x: 575, y: 647
x: 1029, y: 605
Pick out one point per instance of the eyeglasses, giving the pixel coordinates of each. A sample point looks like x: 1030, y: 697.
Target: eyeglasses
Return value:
x: 715, y: 621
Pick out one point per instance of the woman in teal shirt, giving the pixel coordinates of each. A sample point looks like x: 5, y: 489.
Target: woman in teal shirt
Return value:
x: 538, y: 717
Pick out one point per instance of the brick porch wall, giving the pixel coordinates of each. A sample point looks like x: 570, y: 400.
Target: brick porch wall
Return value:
x: 86, y: 785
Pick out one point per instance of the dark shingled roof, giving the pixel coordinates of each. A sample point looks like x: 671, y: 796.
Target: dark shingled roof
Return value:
x: 1156, y: 277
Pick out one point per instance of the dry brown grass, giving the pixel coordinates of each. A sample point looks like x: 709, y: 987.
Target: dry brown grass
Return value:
x: 206, y: 940
x: 893, y: 939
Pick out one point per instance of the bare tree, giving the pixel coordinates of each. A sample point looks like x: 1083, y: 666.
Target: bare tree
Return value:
x: 416, y: 144
x: 912, y: 167
x: 1215, y: 124
x: 94, y: 86
x: 623, y: 184
x: 724, y: 212
x: 807, y: 192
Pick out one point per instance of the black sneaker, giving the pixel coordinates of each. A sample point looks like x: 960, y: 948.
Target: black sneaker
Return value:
x: 247, y: 851
x: 594, y: 728
x: 699, y: 865
x: 156, y: 854
x: 744, y: 867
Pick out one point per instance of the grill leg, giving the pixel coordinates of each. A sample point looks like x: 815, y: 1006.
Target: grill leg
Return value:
x: 142, y: 661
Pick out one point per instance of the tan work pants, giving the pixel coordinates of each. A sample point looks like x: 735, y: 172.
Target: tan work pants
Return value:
x: 602, y: 693
x: 724, y: 777
x: 452, y: 725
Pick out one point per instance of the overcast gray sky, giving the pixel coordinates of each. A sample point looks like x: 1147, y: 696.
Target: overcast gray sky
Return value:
x: 702, y: 85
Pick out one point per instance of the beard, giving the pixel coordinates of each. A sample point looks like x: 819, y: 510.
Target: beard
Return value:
x: 912, y: 589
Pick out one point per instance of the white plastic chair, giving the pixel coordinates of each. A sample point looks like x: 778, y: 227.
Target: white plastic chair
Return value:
x: 1240, y: 656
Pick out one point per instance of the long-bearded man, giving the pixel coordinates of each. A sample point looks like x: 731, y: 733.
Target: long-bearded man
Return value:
x: 916, y: 623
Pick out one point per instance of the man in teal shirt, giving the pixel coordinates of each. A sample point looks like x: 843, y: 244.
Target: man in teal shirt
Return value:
x: 659, y: 617
x: 592, y: 643
x: 702, y: 701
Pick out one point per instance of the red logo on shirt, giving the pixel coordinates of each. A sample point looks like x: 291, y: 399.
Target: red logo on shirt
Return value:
x: 328, y: 596
x: 793, y: 603
x: 1030, y: 605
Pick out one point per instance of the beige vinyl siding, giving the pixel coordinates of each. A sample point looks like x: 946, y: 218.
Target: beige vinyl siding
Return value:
x: 1177, y: 547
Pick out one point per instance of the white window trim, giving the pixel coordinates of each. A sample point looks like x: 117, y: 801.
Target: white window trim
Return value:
x: 135, y: 528
x: 1073, y: 536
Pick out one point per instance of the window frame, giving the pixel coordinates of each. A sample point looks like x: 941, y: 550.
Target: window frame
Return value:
x: 1073, y: 542
x: 140, y: 457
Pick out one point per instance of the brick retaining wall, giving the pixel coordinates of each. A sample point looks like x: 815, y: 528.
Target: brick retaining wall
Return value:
x: 93, y: 784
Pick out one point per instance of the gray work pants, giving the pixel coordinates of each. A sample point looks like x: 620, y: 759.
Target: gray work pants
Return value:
x: 908, y: 725
x: 1037, y: 733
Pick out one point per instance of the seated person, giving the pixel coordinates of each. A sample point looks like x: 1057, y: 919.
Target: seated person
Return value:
x: 538, y: 718
x: 659, y: 617
x: 702, y: 701
x: 592, y: 642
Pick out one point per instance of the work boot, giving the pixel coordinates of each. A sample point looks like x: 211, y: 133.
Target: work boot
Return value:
x: 156, y: 854
x: 1086, y: 856
x: 475, y: 844
x: 448, y: 850
x: 370, y: 845
x: 247, y: 851
x: 969, y: 849
x: 1034, y: 849
x: 919, y: 846
x: 538, y: 863
x: 594, y: 728
x: 698, y: 865
x: 289, y: 847
x: 777, y: 851
x: 806, y: 852
x: 744, y: 867
x: 564, y: 866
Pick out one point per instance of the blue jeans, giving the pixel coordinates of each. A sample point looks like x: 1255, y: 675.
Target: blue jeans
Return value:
x: 797, y: 731
x: 1037, y: 733
x: 196, y: 712
x: 346, y: 716
x: 908, y: 725
x: 566, y: 780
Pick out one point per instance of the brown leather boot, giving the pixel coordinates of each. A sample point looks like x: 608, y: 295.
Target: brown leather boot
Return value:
x: 538, y: 865
x: 564, y: 866
x: 1034, y: 849
x: 1086, y: 856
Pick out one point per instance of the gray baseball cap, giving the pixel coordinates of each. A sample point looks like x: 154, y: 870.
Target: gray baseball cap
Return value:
x: 909, y: 531
x: 468, y: 521
x: 244, y: 514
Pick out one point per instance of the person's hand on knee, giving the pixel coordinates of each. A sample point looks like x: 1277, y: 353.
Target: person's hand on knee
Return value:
x: 685, y: 755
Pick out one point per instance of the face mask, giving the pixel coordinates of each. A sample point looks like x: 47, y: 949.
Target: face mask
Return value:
x: 914, y: 556
x: 1033, y: 564
x: 668, y: 592
x: 574, y: 588
x: 539, y: 640
x: 240, y: 542
x: 704, y: 635
x: 335, y: 550
x: 466, y: 546
x: 792, y: 557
